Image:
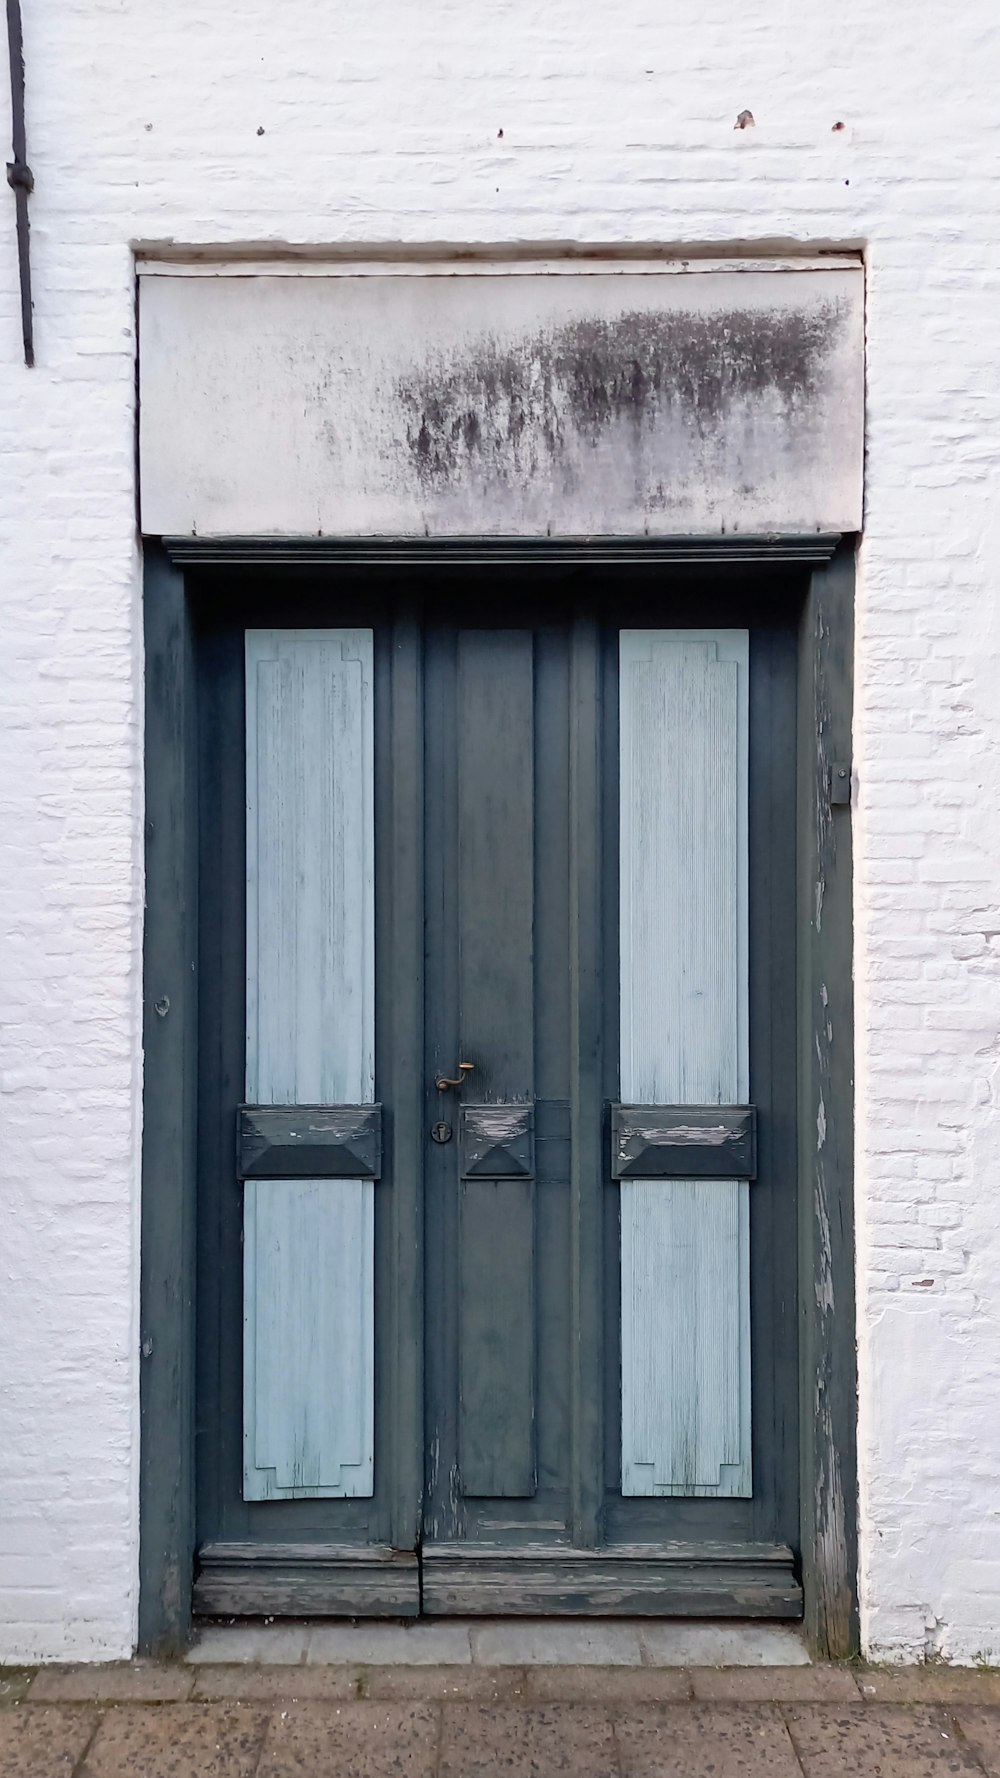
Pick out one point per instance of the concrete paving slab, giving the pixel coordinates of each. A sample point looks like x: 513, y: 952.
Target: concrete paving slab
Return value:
x: 271, y: 1644
x: 351, y: 1741
x: 616, y: 1687
x: 177, y: 1741
x: 112, y: 1682
x: 933, y: 1684
x: 775, y: 1685
x: 14, y: 1682
x: 527, y: 1743
x: 423, y: 1645
x: 682, y: 1644
x: 286, y: 1684
x: 45, y: 1742
x: 981, y: 1729
x: 694, y: 1741
x: 526, y: 1642
x: 481, y: 1685
x: 878, y: 1742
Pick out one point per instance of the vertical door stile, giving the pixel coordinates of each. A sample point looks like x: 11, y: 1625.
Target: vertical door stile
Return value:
x: 403, y: 1001
x: 586, y: 1168
x: 308, y: 1350
x: 496, y: 852
x: 685, y: 1275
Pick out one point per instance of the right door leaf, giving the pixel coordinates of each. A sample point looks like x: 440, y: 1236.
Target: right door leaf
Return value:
x: 685, y: 1258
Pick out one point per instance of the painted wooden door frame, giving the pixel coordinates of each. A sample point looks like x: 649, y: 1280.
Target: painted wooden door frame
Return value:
x: 828, y: 1385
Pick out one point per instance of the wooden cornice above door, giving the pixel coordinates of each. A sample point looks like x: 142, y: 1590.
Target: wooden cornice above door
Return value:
x: 779, y: 550
x: 440, y: 401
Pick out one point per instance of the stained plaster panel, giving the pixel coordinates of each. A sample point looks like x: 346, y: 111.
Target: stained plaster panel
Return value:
x: 596, y: 401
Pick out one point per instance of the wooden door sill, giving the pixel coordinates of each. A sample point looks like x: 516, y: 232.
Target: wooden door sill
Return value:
x: 462, y: 1580
x: 741, y: 1580
x: 306, y: 1580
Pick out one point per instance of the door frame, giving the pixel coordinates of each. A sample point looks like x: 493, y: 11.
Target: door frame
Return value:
x: 823, y: 567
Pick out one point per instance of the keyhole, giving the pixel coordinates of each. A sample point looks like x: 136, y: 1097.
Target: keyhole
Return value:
x: 441, y: 1133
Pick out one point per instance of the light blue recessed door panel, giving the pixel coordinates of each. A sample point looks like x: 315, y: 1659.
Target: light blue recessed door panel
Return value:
x: 685, y: 1254
x: 308, y: 1259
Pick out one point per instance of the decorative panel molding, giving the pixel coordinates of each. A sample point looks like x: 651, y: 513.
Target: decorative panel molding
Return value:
x: 447, y: 401
x: 310, y: 868
x: 684, y: 1041
x: 308, y: 1355
x: 497, y: 1340
x: 497, y: 1141
x: 309, y: 1142
x: 683, y: 1142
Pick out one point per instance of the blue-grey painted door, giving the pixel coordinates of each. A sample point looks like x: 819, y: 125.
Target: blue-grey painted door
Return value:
x: 497, y: 1300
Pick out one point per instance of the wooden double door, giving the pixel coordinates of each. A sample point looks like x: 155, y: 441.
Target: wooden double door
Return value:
x: 496, y: 1293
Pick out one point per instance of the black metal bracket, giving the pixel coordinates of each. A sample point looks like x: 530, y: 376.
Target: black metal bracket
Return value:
x: 840, y: 783
x: 19, y: 175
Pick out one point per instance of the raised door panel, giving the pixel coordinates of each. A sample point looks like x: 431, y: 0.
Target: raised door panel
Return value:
x: 496, y: 894
x: 308, y: 1350
x: 685, y: 1275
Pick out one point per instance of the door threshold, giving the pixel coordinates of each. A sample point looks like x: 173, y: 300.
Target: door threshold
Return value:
x: 462, y: 1580
x: 679, y: 1580
x: 483, y: 1643
x: 306, y: 1580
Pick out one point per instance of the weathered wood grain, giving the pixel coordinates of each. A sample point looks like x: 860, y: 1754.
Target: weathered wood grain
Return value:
x: 308, y: 1256
x: 683, y: 1142
x: 684, y: 1038
x: 306, y: 1580
x: 676, y: 1580
x: 496, y: 898
x: 497, y: 1141
x: 586, y: 1056
x: 309, y: 1142
x: 170, y: 1117
x: 826, y: 1118
x: 310, y: 868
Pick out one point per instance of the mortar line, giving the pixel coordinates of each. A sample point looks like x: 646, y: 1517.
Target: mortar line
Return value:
x: 268, y: 1719
x: 81, y: 1762
x: 439, y: 1745
x: 616, y: 1744
x: 783, y: 1713
x: 962, y: 1739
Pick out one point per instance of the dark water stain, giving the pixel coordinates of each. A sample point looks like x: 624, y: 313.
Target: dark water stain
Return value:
x: 508, y: 410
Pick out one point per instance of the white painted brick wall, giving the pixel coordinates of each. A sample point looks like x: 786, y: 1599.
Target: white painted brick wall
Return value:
x: 381, y: 123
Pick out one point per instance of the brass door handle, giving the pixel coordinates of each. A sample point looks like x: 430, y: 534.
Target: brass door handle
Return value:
x: 443, y: 1083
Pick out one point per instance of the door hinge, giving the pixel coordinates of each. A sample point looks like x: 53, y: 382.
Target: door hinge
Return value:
x: 840, y: 781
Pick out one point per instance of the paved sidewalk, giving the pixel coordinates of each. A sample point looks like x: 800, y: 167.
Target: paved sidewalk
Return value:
x: 202, y: 1719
